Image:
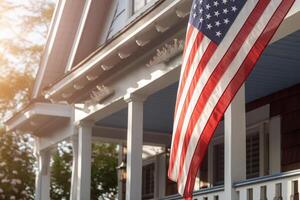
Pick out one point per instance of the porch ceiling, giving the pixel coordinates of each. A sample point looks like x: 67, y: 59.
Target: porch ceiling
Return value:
x: 277, y: 69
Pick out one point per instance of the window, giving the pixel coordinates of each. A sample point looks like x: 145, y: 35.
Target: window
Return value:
x: 148, y: 181
x: 138, y: 4
x: 252, y: 155
x: 218, y: 157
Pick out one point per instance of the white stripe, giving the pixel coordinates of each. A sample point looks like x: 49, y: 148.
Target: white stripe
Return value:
x: 198, y: 55
x: 221, y: 86
x: 188, y: 48
x: 219, y: 53
x: 187, y: 53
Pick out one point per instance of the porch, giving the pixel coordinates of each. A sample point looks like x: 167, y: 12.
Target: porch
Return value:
x: 133, y: 107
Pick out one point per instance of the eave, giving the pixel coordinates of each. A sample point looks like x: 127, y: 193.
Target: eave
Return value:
x: 140, y: 33
x: 35, y: 117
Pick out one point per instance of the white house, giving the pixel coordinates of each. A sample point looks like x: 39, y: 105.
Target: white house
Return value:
x: 110, y: 72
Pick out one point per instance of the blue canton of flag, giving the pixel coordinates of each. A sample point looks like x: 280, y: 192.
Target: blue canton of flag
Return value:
x: 214, y: 18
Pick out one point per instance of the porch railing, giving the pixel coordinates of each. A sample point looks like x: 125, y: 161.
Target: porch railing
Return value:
x: 281, y: 186
x: 274, y: 187
x: 214, y: 193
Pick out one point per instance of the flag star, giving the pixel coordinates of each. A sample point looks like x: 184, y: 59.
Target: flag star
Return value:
x: 225, y: 11
x: 209, y: 26
x: 217, y: 23
x: 201, y: 1
x: 207, y: 6
x: 201, y: 19
x: 194, y: 15
x: 195, y: 6
x: 226, y: 21
x: 208, y: 16
x: 201, y: 10
x: 218, y: 33
x: 225, y: 1
x: 216, y: 3
x: 234, y: 8
x: 217, y: 13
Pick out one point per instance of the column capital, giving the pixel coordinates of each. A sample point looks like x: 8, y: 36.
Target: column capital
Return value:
x: 134, y: 98
x: 85, y: 123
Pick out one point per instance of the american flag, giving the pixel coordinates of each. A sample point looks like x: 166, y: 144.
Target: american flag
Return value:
x: 224, y: 40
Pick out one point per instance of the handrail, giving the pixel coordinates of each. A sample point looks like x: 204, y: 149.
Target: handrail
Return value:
x: 267, y: 178
x: 196, y: 193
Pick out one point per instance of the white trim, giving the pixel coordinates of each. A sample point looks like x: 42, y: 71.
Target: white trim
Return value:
x: 109, y: 49
x: 79, y: 32
x: 143, y: 80
x: 46, y: 109
x: 48, y: 47
x: 118, y: 135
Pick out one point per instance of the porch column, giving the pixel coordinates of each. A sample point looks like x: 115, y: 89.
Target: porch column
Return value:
x: 73, y: 192
x: 161, y: 172
x: 84, y: 160
x: 134, y: 147
x: 120, y: 181
x: 43, y: 176
x: 275, y: 145
x: 235, y: 144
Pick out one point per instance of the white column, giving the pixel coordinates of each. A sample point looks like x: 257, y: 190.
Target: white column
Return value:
x: 161, y: 176
x: 235, y: 144
x: 275, y: 145
x: 43, y: 176
x: 120, y: 183
x: 84, y: 161
x: 134, y: 147
x: 73, y: 192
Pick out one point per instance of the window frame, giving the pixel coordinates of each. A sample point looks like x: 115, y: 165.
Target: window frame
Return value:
x: 132, y: 14
x: 150, y: 161
x: 262, y: 128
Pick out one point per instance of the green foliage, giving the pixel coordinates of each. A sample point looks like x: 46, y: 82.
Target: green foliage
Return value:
x: 27, y: 23
x: 104, y: 173
x: 61, y: 172
x: 16, y: 167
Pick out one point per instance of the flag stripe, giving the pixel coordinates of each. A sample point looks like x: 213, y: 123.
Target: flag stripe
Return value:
x: 187, y: 63
x: 200, y: 125
x: 223, y: 65
x: 206, y: 55
x: 235, y: 84
x: 212, y: 63
x: 192, y: 34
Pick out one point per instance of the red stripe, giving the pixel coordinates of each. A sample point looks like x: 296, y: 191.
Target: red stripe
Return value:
x: 188, y: 37
x: 187, y: 67
x: 190, y: 30
x: 217, y: 75
x: 231, y: 91
x: 203, y: 62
